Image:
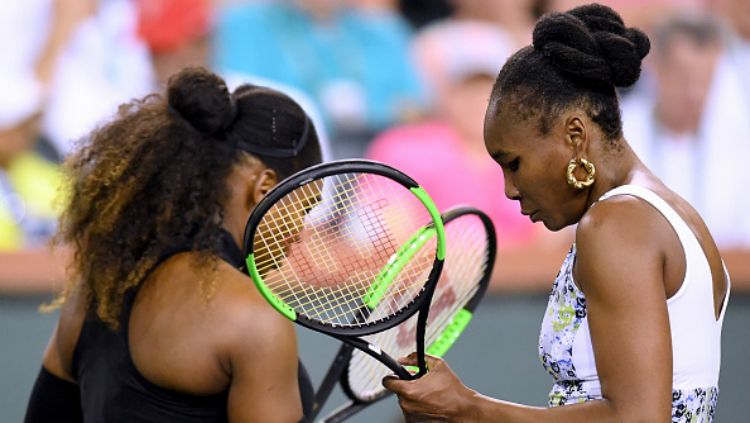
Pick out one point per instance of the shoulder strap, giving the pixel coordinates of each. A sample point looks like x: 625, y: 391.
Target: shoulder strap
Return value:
x: 683, y: 231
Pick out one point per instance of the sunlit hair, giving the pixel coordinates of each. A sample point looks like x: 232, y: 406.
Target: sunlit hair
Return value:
x: 155, y: 180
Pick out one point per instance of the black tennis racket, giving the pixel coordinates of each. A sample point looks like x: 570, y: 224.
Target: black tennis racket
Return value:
x: 347, y: 248
x: 470, y: 258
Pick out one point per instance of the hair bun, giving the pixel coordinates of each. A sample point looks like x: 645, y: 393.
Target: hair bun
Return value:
x: 202, y: 99
x: 591, y: 44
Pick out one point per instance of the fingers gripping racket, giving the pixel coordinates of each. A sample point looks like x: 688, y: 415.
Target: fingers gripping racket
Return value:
x: 470, y: 257
x: 347, y: 248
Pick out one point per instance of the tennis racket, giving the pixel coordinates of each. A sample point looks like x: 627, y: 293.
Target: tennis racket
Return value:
x: 347, y: 248
x: 470, y: 257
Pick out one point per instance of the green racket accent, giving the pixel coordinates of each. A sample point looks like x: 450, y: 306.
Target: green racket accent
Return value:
x: 395, y: 264
x: 450, y: 334
x: 435, y: 214
x: 279, y: 305
x: 448, y: 337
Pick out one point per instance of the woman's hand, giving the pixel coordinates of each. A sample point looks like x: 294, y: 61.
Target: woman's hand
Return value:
x: 437, y: 396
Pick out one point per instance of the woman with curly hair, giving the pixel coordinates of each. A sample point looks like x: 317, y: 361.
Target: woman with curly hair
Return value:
x: 632, y: 331
x: 157, y: 322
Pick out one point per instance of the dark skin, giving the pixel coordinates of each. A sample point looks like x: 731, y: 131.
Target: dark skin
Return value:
x: 634, y: 367
x: 182, y: 341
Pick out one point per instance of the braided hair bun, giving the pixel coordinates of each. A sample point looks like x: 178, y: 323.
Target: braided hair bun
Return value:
x: 590, y: 44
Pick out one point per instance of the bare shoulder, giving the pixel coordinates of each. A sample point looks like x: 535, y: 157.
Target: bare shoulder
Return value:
x: 58, y: 358
x: 621, y: 238
x: 248, y: 323
x: 618, y: 219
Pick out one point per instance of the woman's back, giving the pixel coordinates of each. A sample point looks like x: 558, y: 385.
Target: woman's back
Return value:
x: 168, y: 360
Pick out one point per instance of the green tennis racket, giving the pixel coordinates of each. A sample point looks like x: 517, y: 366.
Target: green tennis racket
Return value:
x: 347, y: 248
x: 470, y: 258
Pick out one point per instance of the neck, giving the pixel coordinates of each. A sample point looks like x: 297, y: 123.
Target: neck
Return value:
x: 613, y: 169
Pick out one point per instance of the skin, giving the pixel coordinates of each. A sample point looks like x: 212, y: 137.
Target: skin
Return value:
x: 180, y: 341
x: 634, y: 367
x: 684, y: 72
x: 17, y: 140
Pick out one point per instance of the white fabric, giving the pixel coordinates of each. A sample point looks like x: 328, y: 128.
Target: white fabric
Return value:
x: 23, y: 32
x: 103, y: 66
x: 696, y: 333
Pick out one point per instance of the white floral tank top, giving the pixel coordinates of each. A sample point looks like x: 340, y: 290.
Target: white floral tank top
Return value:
x: 566, y: 353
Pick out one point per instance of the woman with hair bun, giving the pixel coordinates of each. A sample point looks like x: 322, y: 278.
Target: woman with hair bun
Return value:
x: 157, y: 323
x: 632, y: 330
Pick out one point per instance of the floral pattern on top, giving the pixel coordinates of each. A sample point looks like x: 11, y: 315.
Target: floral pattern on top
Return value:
x: 566, y: 310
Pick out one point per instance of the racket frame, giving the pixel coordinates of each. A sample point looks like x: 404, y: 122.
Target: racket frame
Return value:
x: 347, y: 334
x: 339, y: 369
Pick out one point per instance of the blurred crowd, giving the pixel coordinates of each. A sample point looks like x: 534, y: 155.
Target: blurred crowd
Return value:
x: 404, y: 82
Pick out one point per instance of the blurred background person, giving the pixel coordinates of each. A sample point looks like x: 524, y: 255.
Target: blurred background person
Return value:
x: 693, y: 129
x: 351, y: 58
x: 176, y: 32
x: 28, y: 182
x: 102, y: 64
x: 737, y: 15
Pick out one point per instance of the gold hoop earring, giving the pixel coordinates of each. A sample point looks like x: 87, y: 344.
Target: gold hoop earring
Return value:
x: 590, y: 173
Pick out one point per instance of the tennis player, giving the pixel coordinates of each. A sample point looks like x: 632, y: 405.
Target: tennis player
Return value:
x: 633, y: 325
x: 157, y: 323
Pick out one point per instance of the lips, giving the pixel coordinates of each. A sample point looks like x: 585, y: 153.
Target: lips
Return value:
x: 531, y: 214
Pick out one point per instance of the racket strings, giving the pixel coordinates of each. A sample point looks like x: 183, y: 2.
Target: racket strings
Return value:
x: 465, y: 265
x: 363, y: 218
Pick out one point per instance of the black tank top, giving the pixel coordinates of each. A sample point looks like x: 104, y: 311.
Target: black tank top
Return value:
x: 112, y: 389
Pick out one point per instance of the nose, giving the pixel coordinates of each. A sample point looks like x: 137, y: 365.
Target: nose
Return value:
x: 510, y: 190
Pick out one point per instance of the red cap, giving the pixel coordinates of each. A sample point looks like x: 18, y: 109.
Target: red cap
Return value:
x: 168, y: 24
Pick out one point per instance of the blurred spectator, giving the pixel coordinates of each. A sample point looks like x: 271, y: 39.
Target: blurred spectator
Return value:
x: 515, y: 17
x: 28, y: 183
x: 447, y: 155
x: 694, y: 131
x: 737, y: 14
x: 102, y: 65
x: 177, y: 33
x: 352, y: 59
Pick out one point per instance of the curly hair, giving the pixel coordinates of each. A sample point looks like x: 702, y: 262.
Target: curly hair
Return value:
x: 155, y: 179
x: 577, y: 58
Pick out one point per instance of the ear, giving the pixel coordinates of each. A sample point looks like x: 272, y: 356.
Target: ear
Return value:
x: 576, y: 134
x: 263, y: 183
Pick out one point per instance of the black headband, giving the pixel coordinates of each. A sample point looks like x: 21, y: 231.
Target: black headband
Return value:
x: 276, y: 151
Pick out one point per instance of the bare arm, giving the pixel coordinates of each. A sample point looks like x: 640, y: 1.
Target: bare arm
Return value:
x: 620, y: 269
x: 263, y: 363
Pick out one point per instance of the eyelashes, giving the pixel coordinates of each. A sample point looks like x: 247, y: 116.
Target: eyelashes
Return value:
x: 513, y: 164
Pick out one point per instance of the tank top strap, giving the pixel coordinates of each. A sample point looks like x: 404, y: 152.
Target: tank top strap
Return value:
x: 684, y: 233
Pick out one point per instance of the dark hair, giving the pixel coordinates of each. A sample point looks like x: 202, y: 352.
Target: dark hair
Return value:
x: 155, y: 178
x: 577, y: 58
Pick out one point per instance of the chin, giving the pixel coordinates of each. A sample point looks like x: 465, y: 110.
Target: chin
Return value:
x: 553, y: 226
